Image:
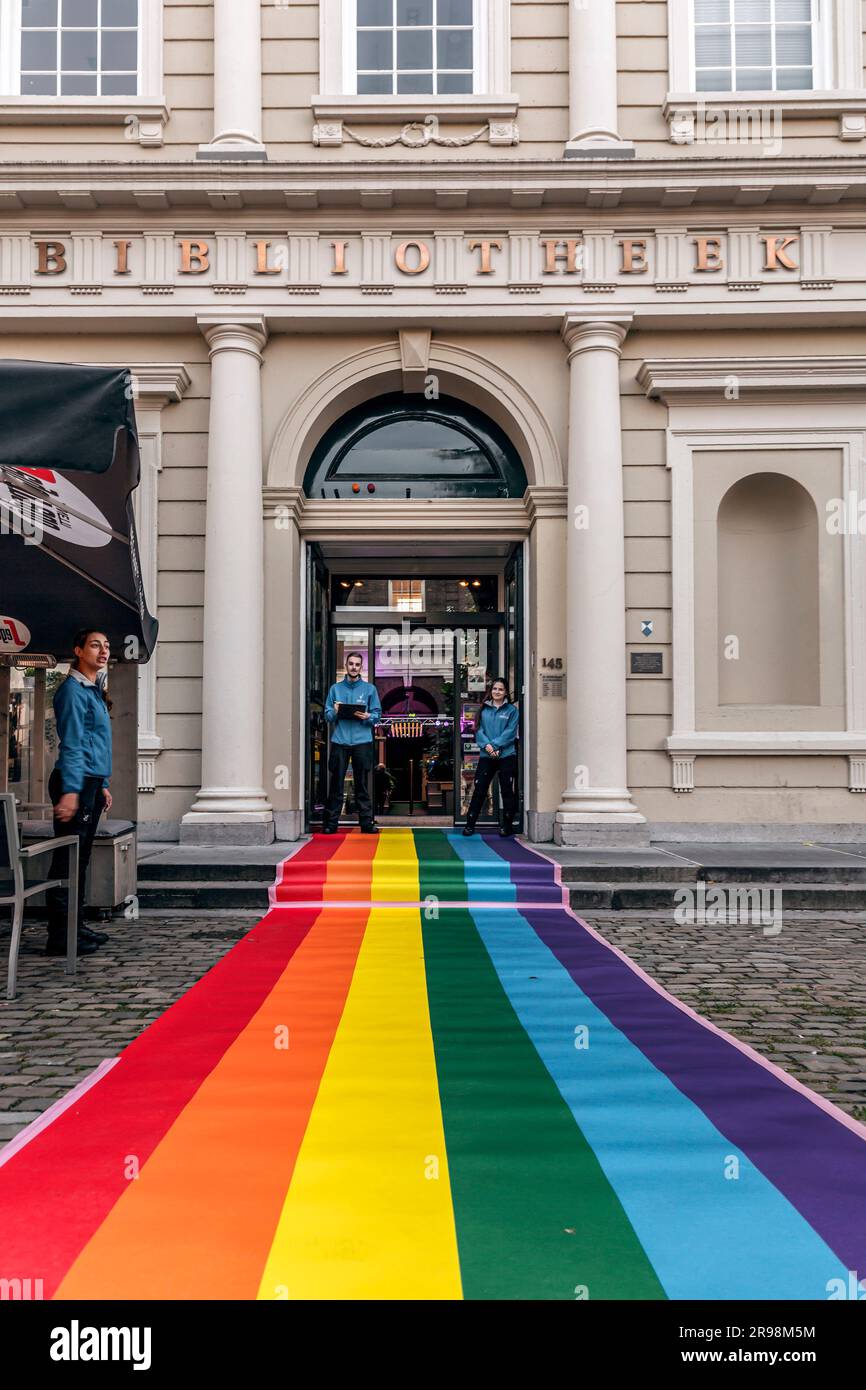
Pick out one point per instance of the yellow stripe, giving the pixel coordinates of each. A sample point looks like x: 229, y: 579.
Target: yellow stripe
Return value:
x: 368, y: 1214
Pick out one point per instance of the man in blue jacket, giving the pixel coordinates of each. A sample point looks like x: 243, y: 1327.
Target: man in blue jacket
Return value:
x: 353, y: 710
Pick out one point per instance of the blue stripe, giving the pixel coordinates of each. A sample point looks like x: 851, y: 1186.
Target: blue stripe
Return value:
x: 706, y: 1235
x: 487, y: 875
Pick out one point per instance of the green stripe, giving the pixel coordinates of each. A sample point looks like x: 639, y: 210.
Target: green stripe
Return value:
x: 536, y: 1218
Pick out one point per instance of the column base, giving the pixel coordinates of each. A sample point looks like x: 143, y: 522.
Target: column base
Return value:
x: 610, y: 834
x: 232, y: 150
x: 598, y: 147
x: 599, y: 816
x: 229, y: 816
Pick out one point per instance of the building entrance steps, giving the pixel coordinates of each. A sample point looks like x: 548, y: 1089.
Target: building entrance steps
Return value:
x: 812, y: 877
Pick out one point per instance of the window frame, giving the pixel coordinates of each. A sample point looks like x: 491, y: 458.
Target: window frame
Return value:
x: 479, y: 56
x: 148, y: 106
x: 338, y: 97
x: 837, y: 60
x: 818, y: 25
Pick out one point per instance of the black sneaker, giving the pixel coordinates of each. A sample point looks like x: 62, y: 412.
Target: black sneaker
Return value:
x: 329, y: 830
x: 56, y: 946
x: 469, y: 830
x: 88, y: 934
x: 370, y: 829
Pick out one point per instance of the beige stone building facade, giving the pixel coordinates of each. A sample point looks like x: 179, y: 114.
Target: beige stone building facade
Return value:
x: 603, y: 263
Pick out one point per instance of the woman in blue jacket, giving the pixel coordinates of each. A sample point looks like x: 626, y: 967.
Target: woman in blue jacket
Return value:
x: 495, y: 734
x: 78, y: 786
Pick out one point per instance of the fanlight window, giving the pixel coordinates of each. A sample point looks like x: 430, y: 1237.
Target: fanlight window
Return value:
x: 403, y: 446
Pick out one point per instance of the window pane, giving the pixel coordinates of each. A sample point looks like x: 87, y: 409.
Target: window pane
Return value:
x: 418, y: 82
x: 713, y: 80
x: 38, y: 12
x: 414, y: 11
x: 375, y: 12
x: 753, y: 47
x: 120, y: 84
x: 454, y: 48
x: 754, y: 80
x: 119, y: 12
x: 78, y: 84
x: 712, y: 11
x: 39, y: 84
x: 793, y: 9
x: 38, y: 50
x: 794, y: 45
x: 452, y: 83
x: 712, y: 47
x: 454, y: 12
x: 119, y: 50
x: 374, y: 50
x: 374, y: 84
x: 80, y: 12
x: 794, y: 79
x: 78, y: 50
x: 752, y: 11
x: 414, y: 48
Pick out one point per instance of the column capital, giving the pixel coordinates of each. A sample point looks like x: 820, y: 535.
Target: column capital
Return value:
x: 584, y: 331
x: 224, y: 333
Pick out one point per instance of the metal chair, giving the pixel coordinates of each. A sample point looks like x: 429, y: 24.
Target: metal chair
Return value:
x: 12, y: 861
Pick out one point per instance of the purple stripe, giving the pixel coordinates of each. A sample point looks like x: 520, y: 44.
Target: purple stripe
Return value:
x: 531, y: 875
x: 817, y: 1163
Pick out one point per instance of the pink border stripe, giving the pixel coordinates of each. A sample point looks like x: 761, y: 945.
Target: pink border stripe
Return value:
x: 50, y: 1115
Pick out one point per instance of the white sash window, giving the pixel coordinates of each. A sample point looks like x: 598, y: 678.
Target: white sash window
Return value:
x: 755, y: 45
x: 83, y: 62
x: 79, y: 48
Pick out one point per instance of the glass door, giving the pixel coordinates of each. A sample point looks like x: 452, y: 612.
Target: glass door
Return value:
x: 514, y: 667
x: 476, y: 656
x: 318, y: 608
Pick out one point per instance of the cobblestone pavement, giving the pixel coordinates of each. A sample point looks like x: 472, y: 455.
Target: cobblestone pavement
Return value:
x: 62, y: 1026
x: 799, y: 998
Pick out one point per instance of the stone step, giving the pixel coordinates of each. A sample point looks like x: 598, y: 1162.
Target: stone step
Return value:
x: 156, y: 871
x: 832, y: 874
x: 201, y: 894
x: 663, y: 897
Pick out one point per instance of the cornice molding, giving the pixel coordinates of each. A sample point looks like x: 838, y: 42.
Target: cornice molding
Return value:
x: 482, y: 518
x: 708, y: 181
x: 675, y: 378
x: 158, y: 384
x: 545, y: 501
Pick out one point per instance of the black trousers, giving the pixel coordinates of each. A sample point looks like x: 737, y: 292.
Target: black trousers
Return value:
x: 362, y: 757
x: 506, y: 770
x: 83, y: 824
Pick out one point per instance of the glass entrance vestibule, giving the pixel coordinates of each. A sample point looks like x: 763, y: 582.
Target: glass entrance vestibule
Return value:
x: 431, y: 644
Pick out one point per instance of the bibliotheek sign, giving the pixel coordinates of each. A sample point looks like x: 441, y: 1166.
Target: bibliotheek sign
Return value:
x: 195, y: 256
x: 373, y: 262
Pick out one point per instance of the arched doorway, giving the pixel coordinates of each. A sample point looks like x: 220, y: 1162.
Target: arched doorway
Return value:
x: 433, y: 631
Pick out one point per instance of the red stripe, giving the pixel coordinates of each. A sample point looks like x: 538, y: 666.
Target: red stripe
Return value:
x: 58, y: 1189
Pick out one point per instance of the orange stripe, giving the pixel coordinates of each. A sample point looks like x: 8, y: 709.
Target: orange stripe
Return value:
x: 199, y: 1221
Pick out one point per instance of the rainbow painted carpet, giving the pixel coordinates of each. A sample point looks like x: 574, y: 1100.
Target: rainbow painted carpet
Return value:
x: 421, y: 1077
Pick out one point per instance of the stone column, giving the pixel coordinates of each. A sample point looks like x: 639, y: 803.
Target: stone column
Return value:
x: 232, y: 807
x: 592, y: 102
x: 237, y: 82
x: 596, y: 806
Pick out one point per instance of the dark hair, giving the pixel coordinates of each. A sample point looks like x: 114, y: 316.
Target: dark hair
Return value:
x: 349, y: 655
x: 497, y: 680
x: 79, y: 640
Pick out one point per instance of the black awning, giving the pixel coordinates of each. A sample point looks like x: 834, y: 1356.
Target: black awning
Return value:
x: 69, y: 463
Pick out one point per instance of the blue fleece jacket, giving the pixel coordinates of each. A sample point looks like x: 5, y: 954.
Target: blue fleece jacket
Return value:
x: 353, y: 731
x: 498, y: 727
x: 84, y: 731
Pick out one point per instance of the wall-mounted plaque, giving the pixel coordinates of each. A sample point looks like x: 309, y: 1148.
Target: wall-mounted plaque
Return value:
x: 647, y: 663
x: 552, y: 687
